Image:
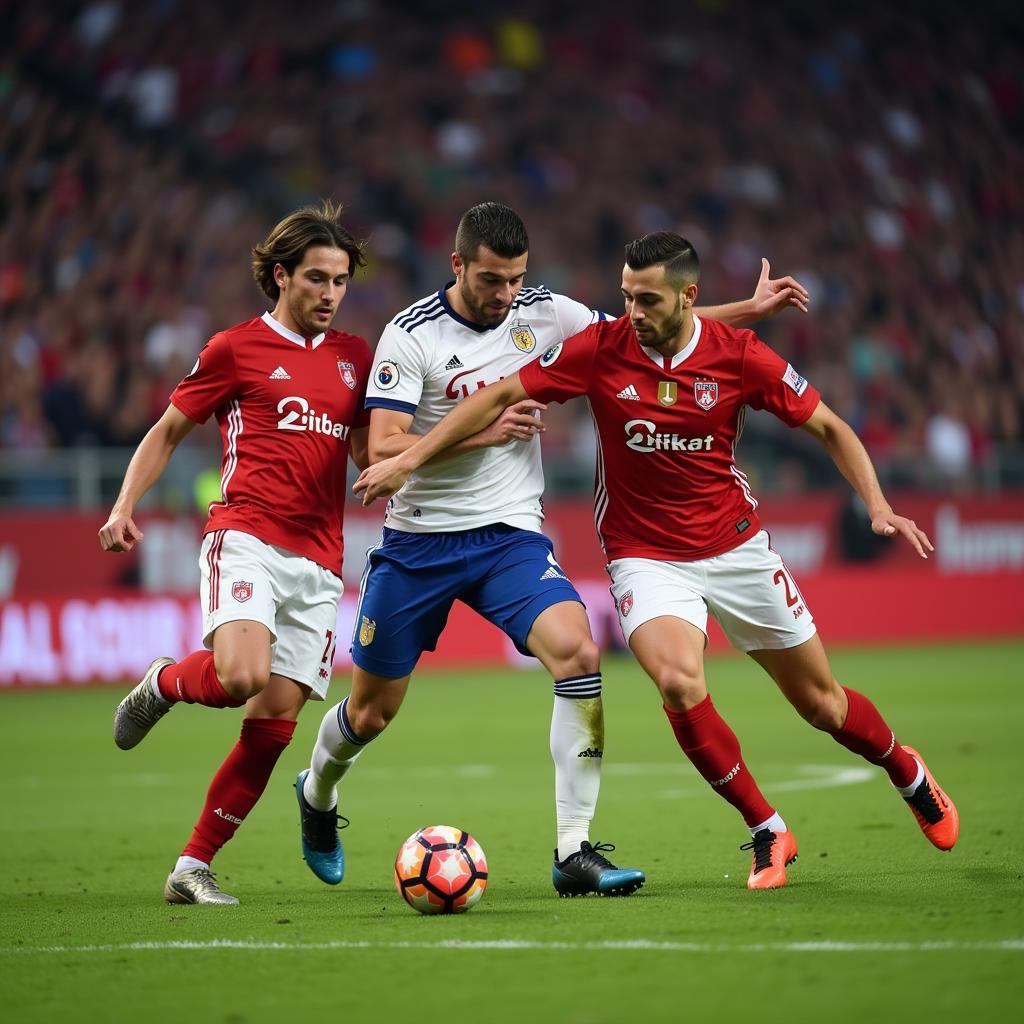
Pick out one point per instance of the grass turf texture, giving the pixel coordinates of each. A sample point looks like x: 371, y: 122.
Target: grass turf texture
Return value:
x: 89, y: 833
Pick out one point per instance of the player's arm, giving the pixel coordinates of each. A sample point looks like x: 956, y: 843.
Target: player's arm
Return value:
x: 389, y: 432
x: 853, y: 461
x: 771, y: 296
x: 119, y: 532
x: 359, y: 446
x: 469, y: 417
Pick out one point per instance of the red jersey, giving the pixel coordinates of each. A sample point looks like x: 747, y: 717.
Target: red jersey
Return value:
x: 667, y: 485
x: 285, y: 407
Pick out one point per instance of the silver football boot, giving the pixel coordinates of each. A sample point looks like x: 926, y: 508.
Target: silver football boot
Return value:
x: 141, y: 709
x: 197, y: 885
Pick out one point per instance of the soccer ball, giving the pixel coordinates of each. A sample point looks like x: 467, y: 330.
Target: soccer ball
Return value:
x: 441, y: 870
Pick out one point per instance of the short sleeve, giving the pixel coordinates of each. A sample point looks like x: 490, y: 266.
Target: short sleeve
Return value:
x: 564, y: 370
x: 210, y: 383
x: 396, y: 380
x: 770, y: 383
x: 573, y: 316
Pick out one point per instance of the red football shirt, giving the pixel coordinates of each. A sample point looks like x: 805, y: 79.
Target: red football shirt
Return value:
x: 285, y: 406
x: 667, y: 485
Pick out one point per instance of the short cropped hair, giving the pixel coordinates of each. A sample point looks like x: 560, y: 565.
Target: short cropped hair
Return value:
x: 299, y: 231
x: 498, y: 227
x: 668, y: 249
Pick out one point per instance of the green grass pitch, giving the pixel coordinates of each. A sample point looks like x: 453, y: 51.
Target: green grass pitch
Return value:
x: 875, y: 923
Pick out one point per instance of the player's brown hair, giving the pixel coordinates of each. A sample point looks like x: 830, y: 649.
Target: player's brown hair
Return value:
x: 668, y: 249
x: 299, y: 231
x: 498, y: 227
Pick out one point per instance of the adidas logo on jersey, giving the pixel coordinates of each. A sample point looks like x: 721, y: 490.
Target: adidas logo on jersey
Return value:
x: 552, y: 574
x: 280, y: 374
x: 454, y: 363
x: 629, y: 393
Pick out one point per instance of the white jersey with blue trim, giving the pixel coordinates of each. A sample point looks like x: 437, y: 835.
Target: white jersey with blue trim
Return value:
x: 429, y: 358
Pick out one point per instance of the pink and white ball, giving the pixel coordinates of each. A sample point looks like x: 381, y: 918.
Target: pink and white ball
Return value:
x: 441, y: 870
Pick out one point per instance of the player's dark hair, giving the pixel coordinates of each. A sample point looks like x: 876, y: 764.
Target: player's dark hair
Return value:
x: 665, y: 248
x: 499, y: 228
x: 299, y: 231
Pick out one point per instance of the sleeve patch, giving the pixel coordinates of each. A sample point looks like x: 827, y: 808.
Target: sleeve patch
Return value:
x: 794, y: 380
x: 386, y: 375
x: 551, y: 355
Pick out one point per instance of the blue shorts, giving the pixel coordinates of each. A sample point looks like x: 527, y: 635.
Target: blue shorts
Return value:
x: 507, y: 575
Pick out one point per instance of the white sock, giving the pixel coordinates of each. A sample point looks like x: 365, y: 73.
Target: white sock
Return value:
x: 336, y: 750
x: 774, y: 824
x: 577, y: 747
x: 908, y: 791
x: 189, y: 864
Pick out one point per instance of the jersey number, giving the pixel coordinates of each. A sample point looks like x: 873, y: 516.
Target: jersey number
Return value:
x: 792, y: 597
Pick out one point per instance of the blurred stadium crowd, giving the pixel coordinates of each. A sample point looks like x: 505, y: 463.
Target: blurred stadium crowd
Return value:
x: 873, y: 151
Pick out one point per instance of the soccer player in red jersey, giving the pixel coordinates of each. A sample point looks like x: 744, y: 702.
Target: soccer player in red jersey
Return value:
x: 680, y: 528
x: 287, y: 391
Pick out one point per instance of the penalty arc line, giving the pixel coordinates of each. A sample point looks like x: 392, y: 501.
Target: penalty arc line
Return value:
x: 1015, y: 945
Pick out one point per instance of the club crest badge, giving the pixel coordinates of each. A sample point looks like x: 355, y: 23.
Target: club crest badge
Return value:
x: 523, y: 337
x: 241, y: 590
x: 386, y: 375
x: 705, y: 393
x: 366, y: 630
x: 626, y: 603
x: 347, y: 371
x: 668, y: 392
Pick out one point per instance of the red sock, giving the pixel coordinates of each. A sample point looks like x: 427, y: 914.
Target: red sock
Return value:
x: 194, y: 681
x: 238, y: 784
x: 711, y: 745
x: 865, y: 733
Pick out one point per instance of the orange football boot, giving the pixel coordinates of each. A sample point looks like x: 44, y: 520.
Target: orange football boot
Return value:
x: 935, y: 812
x: 772, y: 852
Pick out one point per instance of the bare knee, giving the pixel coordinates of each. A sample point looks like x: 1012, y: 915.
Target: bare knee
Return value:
x: 583, y: 660
x: 369, y: 720
x: 242, y: 681
x: 825, y: 709
x: 681, y: 686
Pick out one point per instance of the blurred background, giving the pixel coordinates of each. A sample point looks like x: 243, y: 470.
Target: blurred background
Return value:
x: 875, y: 152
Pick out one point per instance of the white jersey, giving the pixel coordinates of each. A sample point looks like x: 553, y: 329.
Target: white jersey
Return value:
x: 429, y: 358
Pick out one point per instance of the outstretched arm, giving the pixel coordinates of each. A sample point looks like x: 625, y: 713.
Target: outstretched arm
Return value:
x: 119, y: 532
x: 468, y: 417
x: 853, y: 461
x: 771, y: 296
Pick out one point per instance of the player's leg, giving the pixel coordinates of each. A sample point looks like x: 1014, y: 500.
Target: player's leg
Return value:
x: 407, y: 591
x: 344, y: 732
x: 237, y: 786
x: 663, y: 615
x: 298, y: 666
x: 238, y: 595
x: 524, y: 592
x: 804, y: 676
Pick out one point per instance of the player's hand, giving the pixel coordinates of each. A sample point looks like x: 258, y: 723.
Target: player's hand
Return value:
x: 119, y: 533
x: 517, y: 423
x: 888, y: 525
x: 381, y: 480
x: 772, y: 296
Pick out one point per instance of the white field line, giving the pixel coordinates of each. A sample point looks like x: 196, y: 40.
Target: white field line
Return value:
x: 513, y: 945
x: 809, y: 776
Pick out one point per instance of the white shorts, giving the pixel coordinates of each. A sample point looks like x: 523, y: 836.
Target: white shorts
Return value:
x: 749, y: 592
x: 243, y: 578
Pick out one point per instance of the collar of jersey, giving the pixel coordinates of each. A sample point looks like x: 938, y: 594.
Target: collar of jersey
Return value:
x: 446, y: 305
x: 290, y: 335
x: 681, y: 356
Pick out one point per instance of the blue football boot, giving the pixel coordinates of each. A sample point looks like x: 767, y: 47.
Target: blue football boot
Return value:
x: 590, y: 871
x: 321, y: 847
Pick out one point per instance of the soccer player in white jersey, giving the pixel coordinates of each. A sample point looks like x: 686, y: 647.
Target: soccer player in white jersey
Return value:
x: 680, y: 528
x: 287, y: 391
x: 468, y: 527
